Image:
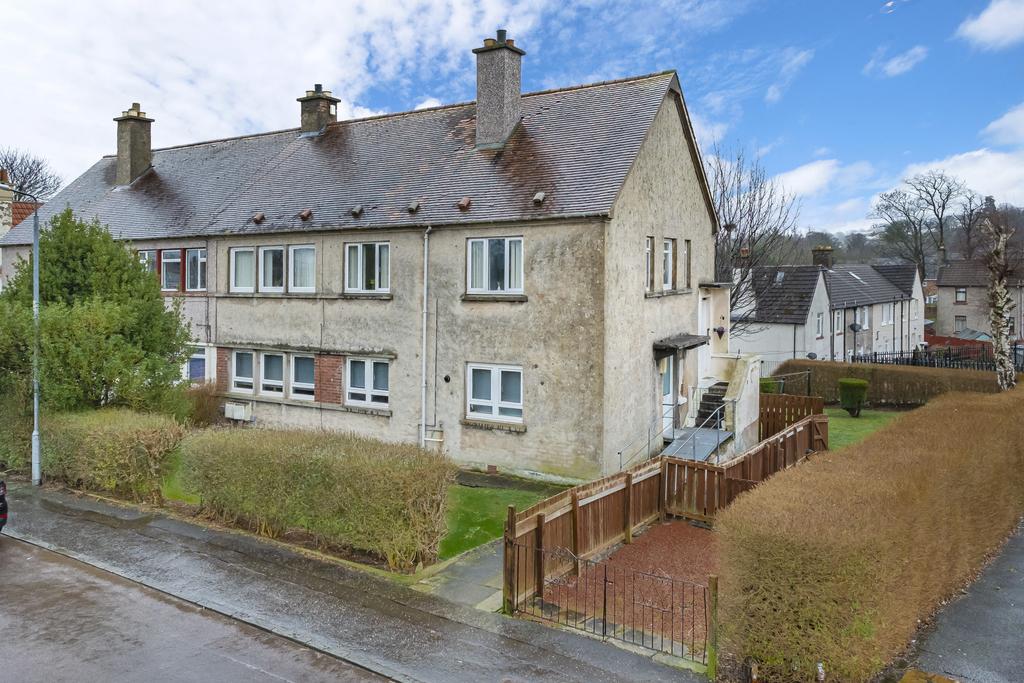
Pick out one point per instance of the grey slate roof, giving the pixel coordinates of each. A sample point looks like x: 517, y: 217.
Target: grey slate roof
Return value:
x: 855, y: 284
x: 576, y: 145
x: 783, y: 294
x: 964, y: 274
x: 902, y: 275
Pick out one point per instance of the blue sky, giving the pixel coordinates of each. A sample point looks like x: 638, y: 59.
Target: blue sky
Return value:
x: 840, y: 99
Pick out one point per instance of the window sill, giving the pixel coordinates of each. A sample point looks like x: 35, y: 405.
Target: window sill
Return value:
x: 271, y: 295
x: 511, y: 298
x: 381, y: 296
x: 178, y: 292
x: 299, y: 403
x: 513, y: 427
x: 667, y: 292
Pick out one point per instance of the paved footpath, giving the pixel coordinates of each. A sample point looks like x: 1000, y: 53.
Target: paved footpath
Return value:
x: 979, y: 637
x: 369, y: 621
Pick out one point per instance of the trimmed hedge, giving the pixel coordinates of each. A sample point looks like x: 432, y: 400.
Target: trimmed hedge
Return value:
x: 769, y: 385
x: 836, y: 560
x: 894, y: 385
x: 114, y: 451
x: 383, y: 498
x: 852, y: 393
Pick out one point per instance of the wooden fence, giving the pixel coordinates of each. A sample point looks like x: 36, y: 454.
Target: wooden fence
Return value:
x: 590, y: 518
x: 779, y: 411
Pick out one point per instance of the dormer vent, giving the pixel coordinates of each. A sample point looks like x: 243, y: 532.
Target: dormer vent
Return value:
x: 465, y: 203
x: 259, y: 217
x: 538, y: 198
x: 414, y: 206
x: 305, y: 214
x: 357, y: 211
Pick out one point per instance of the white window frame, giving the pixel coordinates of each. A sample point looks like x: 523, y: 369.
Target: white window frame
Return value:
x: 201, y: 262
x: 649, y: 263
x: 259, y: 270
x: 956, y: 295
x: 278, y: 391
x: 359, y: 267
x: 163, y: 271
x: 294, y: 384
x: 487, y: 266
x: 838, y: 319
x: 147, y: 257
x: 368, y: 390
x: 495, y: 401
x: 291, y: 269
x: 888, y: 311
x: 197, y: 351
x: 668, y: 264
x: 820, y: 325
x: 234, y: 286
x: 234, y: 373
x: 957, y: 327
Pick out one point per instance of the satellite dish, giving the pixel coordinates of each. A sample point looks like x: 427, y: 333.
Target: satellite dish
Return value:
x: 855, y: 327
x: 812, y: 356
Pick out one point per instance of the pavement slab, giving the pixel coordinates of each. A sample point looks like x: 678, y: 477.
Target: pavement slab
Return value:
x: 372, y: 622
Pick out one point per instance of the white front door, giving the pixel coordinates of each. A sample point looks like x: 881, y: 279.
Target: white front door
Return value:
x: 668, y: 395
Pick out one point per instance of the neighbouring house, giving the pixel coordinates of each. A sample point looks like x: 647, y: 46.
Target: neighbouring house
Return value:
x: 523, y: 281
x: 11, y: 214
x: 831, y: 311
x: 962, y: 308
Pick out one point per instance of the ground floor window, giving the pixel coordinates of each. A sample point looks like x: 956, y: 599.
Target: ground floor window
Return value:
x: 494, y: 392
x: 242, y: 375
x: 368, y: 382
x: 195, y: 366
x: 272, y: 374
x: 303, y: 377
x: 959, y: 323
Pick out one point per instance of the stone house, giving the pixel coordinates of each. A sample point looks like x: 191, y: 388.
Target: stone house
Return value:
x: 962, y: 301
x: 523, y: 281
x: 809, y: 311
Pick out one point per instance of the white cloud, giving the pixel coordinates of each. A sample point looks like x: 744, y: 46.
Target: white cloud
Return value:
x: 1000, y: 25
x: 707, y: 132
x: 811, y: 178
x: 213, y: 69
x: 1008, y: 129
x: 428, y: 103
x: 822, y: 151
x: 990, y: 172
x: 896, y: 65
x: 793, y: 61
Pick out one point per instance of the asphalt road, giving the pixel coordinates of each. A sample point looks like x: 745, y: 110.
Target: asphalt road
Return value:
x: 62, y: 620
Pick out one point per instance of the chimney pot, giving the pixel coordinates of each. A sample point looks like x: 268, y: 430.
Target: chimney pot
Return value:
x: 134, y: 145
x: 318, y: 108
x: 499, y: 98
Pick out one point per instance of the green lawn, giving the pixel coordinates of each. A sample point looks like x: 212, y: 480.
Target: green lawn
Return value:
x: 844, y: 430
x: 477, y: 515
x: 171, y: 487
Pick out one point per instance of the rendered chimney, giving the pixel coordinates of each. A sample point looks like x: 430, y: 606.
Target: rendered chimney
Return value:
x: 821, y: 255
x: 499, y: 97
x: 318, y: 109
x: 6, y: 204
x: 134, y: 144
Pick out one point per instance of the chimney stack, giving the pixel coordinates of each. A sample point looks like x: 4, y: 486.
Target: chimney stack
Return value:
x: 6, y: 204
x: 499, y: 97
x: 821, y: 255
x: 134, y: 144
x: 318, y: 109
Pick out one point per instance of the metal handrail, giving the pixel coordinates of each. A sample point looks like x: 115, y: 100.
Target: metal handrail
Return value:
x: 650, y: 436
x: 692, y: 440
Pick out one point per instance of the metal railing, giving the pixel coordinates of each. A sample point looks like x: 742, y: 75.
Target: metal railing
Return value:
x: 692, y: 439
x: 640, y: 440
x: 655, y: 612
x: 964, y: 357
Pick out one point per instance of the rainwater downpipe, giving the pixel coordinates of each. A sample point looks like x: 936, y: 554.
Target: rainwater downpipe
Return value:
x: 423, y: 347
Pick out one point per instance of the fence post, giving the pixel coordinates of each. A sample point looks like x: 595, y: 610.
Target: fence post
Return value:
x: 508, y: 568
x: 663, y: 491
x: 712, y: 635
x: 604, y: 603
x: 576, y: 532
x: 538, y: 560
x: 629, y: 508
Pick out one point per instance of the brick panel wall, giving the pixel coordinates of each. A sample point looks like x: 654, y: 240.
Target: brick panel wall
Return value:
x: 223, y: 371
x: 327, y: 370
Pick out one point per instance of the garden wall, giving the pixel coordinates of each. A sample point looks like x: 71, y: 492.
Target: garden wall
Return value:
x: 893, y: 385
x: 837, y: 560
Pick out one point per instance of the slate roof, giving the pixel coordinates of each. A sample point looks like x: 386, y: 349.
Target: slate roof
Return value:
x: 903, y: 275
x: 783, y: 294
x: 576, y: 145
x: 20, y: 211
x: 963, y: 274
x: 854, y: 284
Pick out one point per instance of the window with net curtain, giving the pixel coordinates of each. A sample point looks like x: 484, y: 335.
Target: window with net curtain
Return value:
x: 303, y: 268
x: 495, y: 265
x: 243, y: 270
x: 368, y: 267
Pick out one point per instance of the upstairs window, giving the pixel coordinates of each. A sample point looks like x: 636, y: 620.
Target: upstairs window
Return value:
x: 195, y: 270
x: 959, y: 323
x: 837, y: 322
x: 495, y: 266
x: 302, y: 269
x: 668, y: 264
x: 887, y: 313
x: 243, y: 270
x: 271, y: 269
x: 368, y: 382
x: 242, y: 377
x: 686, y: 264
x: 148, y: 260
x: 961, y: 295
x: 820, y: 325
x: 170, y: 270
x: 494, y: 392
x: 368, y: 267
x: 649, y: 264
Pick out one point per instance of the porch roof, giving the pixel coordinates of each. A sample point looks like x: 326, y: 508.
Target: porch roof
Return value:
x: 680, y: 342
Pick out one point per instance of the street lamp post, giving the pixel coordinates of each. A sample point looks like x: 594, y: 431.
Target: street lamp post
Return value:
x: 37, y: 478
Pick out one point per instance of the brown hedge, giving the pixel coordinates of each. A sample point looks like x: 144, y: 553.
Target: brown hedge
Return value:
x: 384, y: 498
x: 894, y: 385
x: 837, y: 559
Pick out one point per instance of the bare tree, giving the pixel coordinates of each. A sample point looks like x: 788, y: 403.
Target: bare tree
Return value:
x: 904, y: 226
x: 966, y: 223
x: 29, y: 173
x: 759, y: 226
x: 937, y: 194
x: 997, y: 229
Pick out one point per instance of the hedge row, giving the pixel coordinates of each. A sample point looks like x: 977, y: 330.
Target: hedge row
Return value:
x: 114, y: 451
x: 895, y: 385
x: 383, y: 498
x: 836, y: 560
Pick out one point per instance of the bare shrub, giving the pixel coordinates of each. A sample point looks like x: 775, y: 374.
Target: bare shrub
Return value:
x: 836, y: 560
x: 384, y: 498
x: 893, y: 385
x: 205, y: 405
x: 113, y: 451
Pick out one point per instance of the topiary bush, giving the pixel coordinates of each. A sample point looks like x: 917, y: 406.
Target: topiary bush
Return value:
x: 387, y: 499
x: 838, y: 559
x: 852, y: 393
x: 769, y: 385
x: 114, y: 451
